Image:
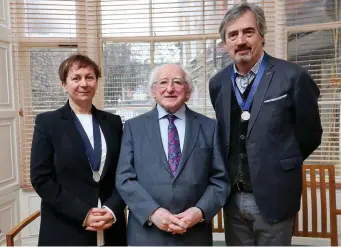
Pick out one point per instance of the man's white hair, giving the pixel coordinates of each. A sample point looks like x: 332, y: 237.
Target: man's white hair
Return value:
x: 155, y: 71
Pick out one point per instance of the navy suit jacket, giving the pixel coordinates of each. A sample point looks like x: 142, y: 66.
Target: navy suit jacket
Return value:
x: 62, y: 177
x: 284, y: 129
x: 145, y: 181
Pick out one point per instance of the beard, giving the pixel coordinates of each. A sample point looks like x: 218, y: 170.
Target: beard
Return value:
x: 243, y: 58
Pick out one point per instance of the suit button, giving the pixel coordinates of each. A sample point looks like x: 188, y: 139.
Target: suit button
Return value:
x: 242, y: 137
x: 175, y: 186
x: 242, y: 156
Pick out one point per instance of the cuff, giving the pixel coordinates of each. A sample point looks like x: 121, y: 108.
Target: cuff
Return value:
x: 113, y: 215
x: 150, y: 222
x: 203, y: 215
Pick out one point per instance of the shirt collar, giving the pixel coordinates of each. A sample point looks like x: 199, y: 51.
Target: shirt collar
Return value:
x: 179, y: 113
x: 254, y: 69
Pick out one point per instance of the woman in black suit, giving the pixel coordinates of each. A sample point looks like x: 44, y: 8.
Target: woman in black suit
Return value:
x: 74, y: 155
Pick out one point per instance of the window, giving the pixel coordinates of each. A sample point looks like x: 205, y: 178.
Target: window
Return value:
x: 126, y: 68
x: 43, y: 19
x: 44, y: 34
x: 128, y: 38
x: 305, y: 12
x: 313, y: 41
x: 47, y: 93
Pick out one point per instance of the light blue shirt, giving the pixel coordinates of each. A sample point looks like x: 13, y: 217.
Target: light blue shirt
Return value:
x: 180, y: 123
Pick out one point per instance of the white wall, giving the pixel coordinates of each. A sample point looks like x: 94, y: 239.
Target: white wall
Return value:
x: 29, y: 203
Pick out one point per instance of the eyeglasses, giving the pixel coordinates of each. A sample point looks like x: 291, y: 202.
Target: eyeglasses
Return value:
x: 176, y: 83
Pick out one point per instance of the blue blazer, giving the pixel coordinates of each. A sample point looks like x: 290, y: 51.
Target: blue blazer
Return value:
x: 284, y: 129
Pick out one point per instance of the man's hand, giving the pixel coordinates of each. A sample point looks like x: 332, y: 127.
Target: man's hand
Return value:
x: 191, y: 216
x: 167, y: 222
x: 98, y: 219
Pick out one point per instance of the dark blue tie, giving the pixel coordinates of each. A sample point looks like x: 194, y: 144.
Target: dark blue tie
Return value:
x: 94, y: 154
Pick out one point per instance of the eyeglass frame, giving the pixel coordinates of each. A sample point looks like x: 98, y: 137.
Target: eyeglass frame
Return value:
x: 173, y: 83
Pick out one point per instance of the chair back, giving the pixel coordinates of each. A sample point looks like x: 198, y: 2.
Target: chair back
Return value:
x: 318, y: 215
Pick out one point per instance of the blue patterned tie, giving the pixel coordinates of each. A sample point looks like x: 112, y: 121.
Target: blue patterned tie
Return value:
x: 174, y: 151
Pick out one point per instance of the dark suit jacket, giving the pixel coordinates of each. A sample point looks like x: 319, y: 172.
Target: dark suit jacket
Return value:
x: 62, y: 177
x: 284, y: 129
x: 146, y: 182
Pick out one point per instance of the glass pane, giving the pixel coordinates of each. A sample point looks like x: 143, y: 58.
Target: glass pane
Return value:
x: 46, y: 18
x: 47, y: 92
x: 319, y: 52
x: 159, y: 17
x: 189, y: 54
x: 214, y: 13
x: 301, y: 12
x: 329, y: 150
x: 168, y: 52
x: 126, y: 70
x: 217, y: 59
x: 178, y: 17
x: 125, y: 18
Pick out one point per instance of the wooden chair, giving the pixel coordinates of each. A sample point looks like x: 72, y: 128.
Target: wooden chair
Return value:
x: 217, y: 224
x: 319, y: 192
x: 318, y: 186
x: 318, y: 199
x: 14, y: 232
x: 11, y: 235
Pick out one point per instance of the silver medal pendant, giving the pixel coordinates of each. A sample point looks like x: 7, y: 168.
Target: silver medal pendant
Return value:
x: 245, y: 115
x: 96, y: 176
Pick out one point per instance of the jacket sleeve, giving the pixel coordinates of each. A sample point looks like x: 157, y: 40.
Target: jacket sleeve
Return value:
x: 212, y: 87
x: 43, y: 177
x: 115, y: 202
x: 308, y: 129
x: 218, y: 189
x: 139, y: 201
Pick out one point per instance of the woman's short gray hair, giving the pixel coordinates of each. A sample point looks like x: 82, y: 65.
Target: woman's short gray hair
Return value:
x: 237, y: 11
x: 154, y: 73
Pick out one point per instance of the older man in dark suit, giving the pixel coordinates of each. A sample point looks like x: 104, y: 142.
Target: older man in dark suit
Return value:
x: 267, y: 111
x: 171, y: 173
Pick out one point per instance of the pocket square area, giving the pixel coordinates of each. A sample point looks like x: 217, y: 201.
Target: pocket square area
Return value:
x: 275, y: 99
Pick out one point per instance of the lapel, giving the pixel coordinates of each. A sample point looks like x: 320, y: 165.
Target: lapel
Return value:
x: 105, y: 127
x: 76, y: 139
x: 260, y: 93
x: 191, y: 135
x: 226, y: 97
x: 73, y: 134
x: 152, y: 128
